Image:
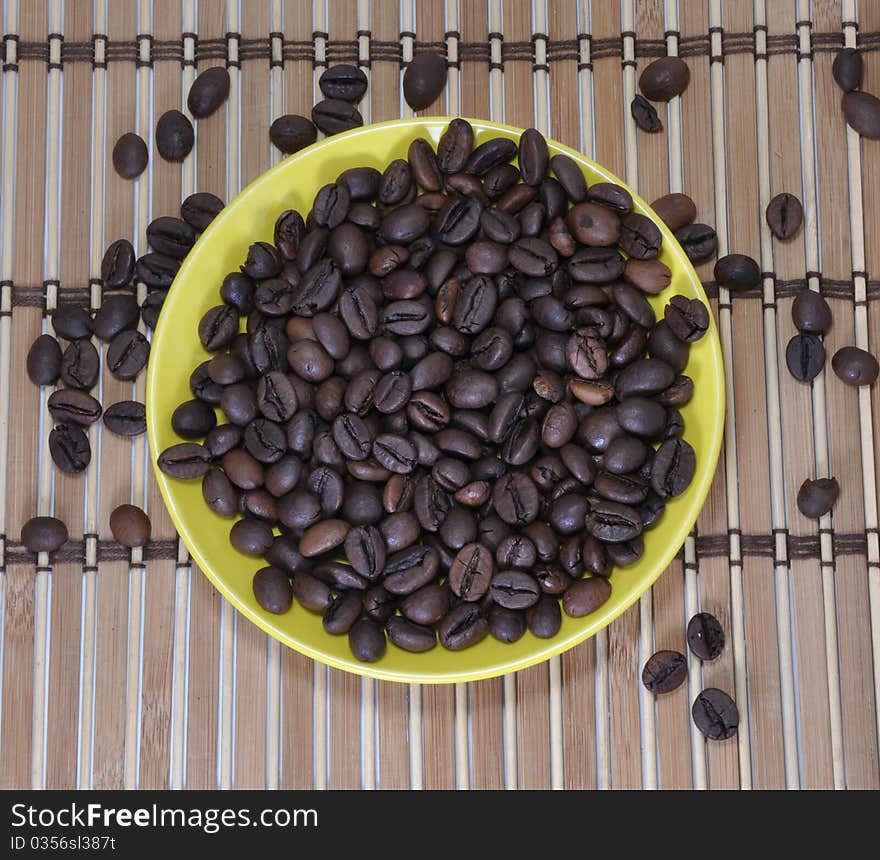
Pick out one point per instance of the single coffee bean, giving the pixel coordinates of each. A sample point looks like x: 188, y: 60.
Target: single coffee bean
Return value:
x: 612, y: 522
x: 465, y: 625
x: 71, y: 323
x: 80, y: 365
x: 130, y: 156
x: 544, y: 618
x: 737, y: 272
x: 70, y: 448
x: 251, y: 537
x: 533, y: 156
x: 810, y: 313
x: 185, y: 460
x: 424, y: 80
x: 585, y: 596
x: 673, y: 468
x: 172, y: 237
x: 344, y: 82
x: 854, y: 366
x: 43, y: 534
x: 688, y: 319
x: 785, y: 215
x: 156, y: 270
x: 126, y: 418
x: 645, y: 115
x: 664, y: 344
x: 805, y: 357
x: 74, y: 407
x: 640, y: 237
x: 44, y: 360
x: 699, y: 241
x: 862, y: 113
x: 273, y: 590
x: 193, y: 419
x: 426, y: 606
x: 323, y: 537
x: 471, y: 572
x: 367, y: 640
x: 514, y: 589
x: 117, y: 265
x: 715, y: 714
x: 815, y: 498
x: 219, y: 493
x: 705, y: 636
x: 506, y: 625
x: 313, y: 594
x: 570, y: 177
x: 128, y: 354
x: 665, y: 78
x: 208, y: 91
x: 409, y: 636
x: 116, y: 314
x: 200, y: 209
x: 675, y: 210
x: 174, y: 136
x: 130, y: 526
x: 847, y: 69
x: 455, y: 146
x: 332, y: 116
x: 366, y: 551
x: 290, y: 133
x: 664, y: 672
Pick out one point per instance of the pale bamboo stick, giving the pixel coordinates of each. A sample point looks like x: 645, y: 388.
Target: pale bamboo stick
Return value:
x: 725, y: 327
x: 453, y: 74
x: 866, y: 428
x: 462, y: 757
x: 647, y: 712
x: 774, y: 419
x: 407, y: 26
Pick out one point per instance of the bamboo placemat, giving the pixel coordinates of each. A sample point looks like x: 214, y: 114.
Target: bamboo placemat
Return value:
x: 126, y: 669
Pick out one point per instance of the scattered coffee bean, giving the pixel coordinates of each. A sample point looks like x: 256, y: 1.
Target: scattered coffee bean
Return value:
x: 675, y: 210
x: 117, y: 266
x: 815, y: 498
x: 855, y: 366
x: 71, y: 323
x: 44, y: 360
x: 43, y: 534
x: 645, y: 115
x: 130, y: 156
x: 291, y: 133
x: 705, y: 637
x: 208, y: 92
x: 664, y: 672
x: 715, y: 714
x: 784, y: 216
x: 847, y: 69
x: 737, y: 272
x: 862, y: 113
x: 130, y: 526
x: 665, y: 78
x: 810, y: 313
x: 699, y: 241
x: 344, y: 82
x: 332, y: 116
x: 70, y: 448
x: 424, y: 80
x: 174, y: 136
x: 585, y: 596
x: 80, y: 365
x: 74, y: 407
x: 273, y: 590
x: 116, y: 314
x: 805, y: 357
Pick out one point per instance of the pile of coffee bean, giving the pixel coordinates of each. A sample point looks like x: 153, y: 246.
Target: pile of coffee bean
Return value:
x: 77, y: 366
x: 451, y: 397
x: 662, y: 80
x: 714, y: 712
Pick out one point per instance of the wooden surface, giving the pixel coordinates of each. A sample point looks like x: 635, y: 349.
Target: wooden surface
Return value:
x: 127, y: 670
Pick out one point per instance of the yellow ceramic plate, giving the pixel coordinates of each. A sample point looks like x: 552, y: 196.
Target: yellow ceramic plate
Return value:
x: 176, y: 351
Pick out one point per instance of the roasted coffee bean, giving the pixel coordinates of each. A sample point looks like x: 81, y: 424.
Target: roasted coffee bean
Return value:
x: 424, y: 80
x: 854, y: 366
x: 570, y: 177
x: 243, y: 469
x: 688, y: 319
x: 185, y: 460
x: 673, y: 468
x: 640, y: 237
x: 70, y: 448
x: 679, y: 393
x: 218, y: 327
x: 74, y: 407
x: 44, y: 360
x: 208, y: 91
x: 265, y: 440
x: 71, y: 323
x: 506, y: 625
x: 665, y: 78
x: 395, y: 453
x: 423, y: 164
x: 675, y: 210
x: 410, y: 569
x: 705, y: 637
x: 664, y: 672
x: 544, y: 618
x: 515, y: 498
x: 365, y: 550
x: 514, y: 589
x: 612, y: 522
x: 156, y: 270
x: 219, y: 493
x: 592, y: 224
x: 251, y: 537
x: 815, y: 498
x: 80, y: 364
x: 586, y: 354
x: 784, y: 215
x: 626, y: 489
x: 533, y: 156
x: 426, y: 606
x: 130, y: 156
x: 130, y: 526
x: 263, y: 261
x: 116, y: 314
x: 311, y: 592
x: 367, y: 640
x: 664, y: 344
x: 560, y: 424
x: 810, y: 313
x: 699, y: 241
x: 126, y: 418
x: 597, y: 431
x: 174, y: 136
x: 585, y: 596
x: 223, y: 439
x: 128, y: 354
x: 332, y: 116
x: 596, y: 265
x: 612, y: 196
x: 645, y: 115
x: 471, y: 572
x: 273, y: 590
x: 847, y: 69
x: 805, y: 357
x: 643, y: 377
x: 117, y: 266
x: 737, y: 272
x: 193, y: 419
x: 625, y: 454
x: 379, y: 605
x: 715, y: 714
x: 399, y: 530
x: 323, y: 537
x: 344, y: 82
x: 465, y: 625
x: 862, y: 113
x: 200, y: 209
x: 409, y: 636
x: 43, y: 534
x: 516, y: 551
x: 284, y: 554
x: 151, y: 307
